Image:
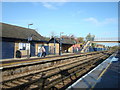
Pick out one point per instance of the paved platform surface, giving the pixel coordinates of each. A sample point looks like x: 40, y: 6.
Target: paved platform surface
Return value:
x: 111, y: 78
x: 104, y: 76
x: 32, y: 60
x: 10, y: 59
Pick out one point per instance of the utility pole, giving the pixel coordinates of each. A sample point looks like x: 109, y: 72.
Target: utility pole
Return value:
x: 54, y: 47
x: 60, y: 51
x: 29, y: 39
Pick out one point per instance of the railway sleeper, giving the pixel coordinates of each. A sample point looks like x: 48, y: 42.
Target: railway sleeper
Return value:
x: 30, y: 68
x: 78, y: 75
x: 20, y: 85
x: 81, y: 67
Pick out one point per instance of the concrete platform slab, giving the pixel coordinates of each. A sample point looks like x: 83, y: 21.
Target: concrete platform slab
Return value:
x: 105, y: 75
x: 111, y: 78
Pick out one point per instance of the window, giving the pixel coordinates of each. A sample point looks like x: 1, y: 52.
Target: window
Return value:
x: 24, y: 46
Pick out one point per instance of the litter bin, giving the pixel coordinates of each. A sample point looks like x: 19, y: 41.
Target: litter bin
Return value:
x: 18, y: 54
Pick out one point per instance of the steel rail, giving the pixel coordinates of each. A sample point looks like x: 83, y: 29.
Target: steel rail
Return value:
x: 30, y: 82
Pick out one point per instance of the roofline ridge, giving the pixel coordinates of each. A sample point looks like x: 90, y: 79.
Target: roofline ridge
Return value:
x: 17, y: 26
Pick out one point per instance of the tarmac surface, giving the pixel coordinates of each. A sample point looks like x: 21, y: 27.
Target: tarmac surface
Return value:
x: 111, y: 78
x: 104, y: 76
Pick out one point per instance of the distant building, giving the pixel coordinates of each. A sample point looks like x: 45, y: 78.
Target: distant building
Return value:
x: 19, y: 38
x: 99, y: 47
x: 76, y: 48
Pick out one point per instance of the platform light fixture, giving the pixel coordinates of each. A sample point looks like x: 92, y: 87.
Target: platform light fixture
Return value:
x: 29, y: 39
x: 60, y: 51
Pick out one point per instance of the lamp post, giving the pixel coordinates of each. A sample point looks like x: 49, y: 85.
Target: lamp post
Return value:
x: 29, y: 25
x: 29, y: 39
x: 54, y: 47
x: 60, y: 51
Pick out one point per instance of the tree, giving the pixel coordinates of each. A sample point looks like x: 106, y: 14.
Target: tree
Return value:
x: 80, y: 40
x: 115, y: 47
x: 94, y: 44
x: 47, y: 38
x: 68, y: 37
x: 72, y: 36
x: 65, y: 36
x: 52, y: 34
x: 90, y: 37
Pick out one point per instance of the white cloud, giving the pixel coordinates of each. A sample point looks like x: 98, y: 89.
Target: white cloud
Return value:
x: 48, y: 5
x: 99, y: 23
x: 92, y: 20
x: 52, y: 5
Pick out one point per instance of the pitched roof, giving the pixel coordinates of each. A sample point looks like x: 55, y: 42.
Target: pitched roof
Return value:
x: 64, y: 41
x: 17, y: 32
x: 68, y: 41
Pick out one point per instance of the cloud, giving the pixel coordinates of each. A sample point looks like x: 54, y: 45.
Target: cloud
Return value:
x: 52, y: 5
x: 92, y: 20
x: 99, y: 23
x: 48, y: 5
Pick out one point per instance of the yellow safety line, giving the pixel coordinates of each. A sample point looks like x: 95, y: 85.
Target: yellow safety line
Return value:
x: 26, y: 61
x: 100, y: 75
x: 103, y: 72
x: 8, y: 64
x: 19, y: 62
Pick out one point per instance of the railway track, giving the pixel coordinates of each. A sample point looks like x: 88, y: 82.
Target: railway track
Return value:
x: 57, y: 76
x: 12, y: 62
x: 21, y: 70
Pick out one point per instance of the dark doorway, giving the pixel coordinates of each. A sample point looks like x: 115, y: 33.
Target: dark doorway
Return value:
x: 7, y: 50
x: 32, y: 49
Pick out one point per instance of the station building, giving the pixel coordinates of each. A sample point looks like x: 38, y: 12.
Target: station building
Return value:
x: 54, y: 45
x: 76, y: 48
x: 14, y: 38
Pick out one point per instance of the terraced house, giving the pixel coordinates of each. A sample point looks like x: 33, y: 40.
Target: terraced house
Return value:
x: 15, y: 38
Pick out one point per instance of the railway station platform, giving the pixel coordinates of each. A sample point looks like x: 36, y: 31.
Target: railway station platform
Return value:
x: 104, y: 76
x: 33, y: 57
x: 111, y: 78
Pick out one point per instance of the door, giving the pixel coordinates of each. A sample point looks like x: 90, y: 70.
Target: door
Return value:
x: 47, y: 49
x: 32, y: 49
x: 7, y: 50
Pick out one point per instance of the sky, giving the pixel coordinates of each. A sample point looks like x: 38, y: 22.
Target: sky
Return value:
x: 72, y: 18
